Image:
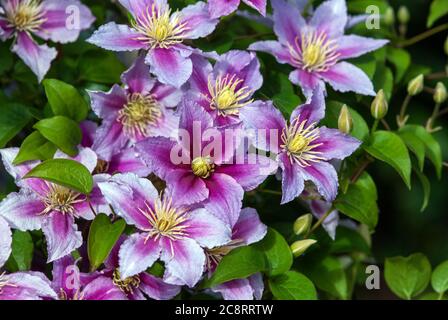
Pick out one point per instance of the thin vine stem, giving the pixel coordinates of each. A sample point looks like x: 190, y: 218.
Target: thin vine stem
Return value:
x: 423, y: 36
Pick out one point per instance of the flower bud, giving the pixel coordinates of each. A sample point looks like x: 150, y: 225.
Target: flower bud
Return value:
x: 440, y: 93
x: 379, y: 106
x: 345, y: 121
x: 302, y: 224
x: 415, y: 86
x: 299, y: 247
x: 389, y: 16
x: 403, y: 15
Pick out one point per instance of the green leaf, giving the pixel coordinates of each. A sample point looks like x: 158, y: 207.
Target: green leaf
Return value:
x: 63, y: 132
x: 401, y: 60
x: 238, y: 264
x: 22, y: 252
x: 65, y: 100
x: 439, y: 279
x: 349, y: 241
x: 359, y: 202
x: 65, y: 172
x: 35, y: 147
x: 438, y: 9
x: 101, y: 67
x: 388, y: 147
x: 426, y: 185
x: 415, y: 144
x: 384, y: 79
x: 103, y: 235
x: 292, y: 285
x: 409, y: 276
x: 278, y: 254
x: 14, y: 117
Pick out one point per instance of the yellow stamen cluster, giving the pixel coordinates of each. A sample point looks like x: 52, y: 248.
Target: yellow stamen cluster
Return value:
x: 139, y: 114
x: 159, y: 28
x: 202, y: 167
x: 61, y: 199
x: 226, y: 97
x: 127, y: 285
x: 26, y: 15
x: 313, y: 52
x: 298, y: 140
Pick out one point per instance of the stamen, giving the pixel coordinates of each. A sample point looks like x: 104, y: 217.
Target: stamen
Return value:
x: 298, y: 140
x: 26, y: 15
x: 226, y: 96
x: 61, y: 199
x: 127, y: 285
x: 139, y: 114
x: 202, y: 167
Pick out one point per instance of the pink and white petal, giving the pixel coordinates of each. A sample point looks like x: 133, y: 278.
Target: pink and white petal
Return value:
x: 169, y: 66
x: 166, y: 95
x: 137, y: 78
x: 288, y: 21
x: 107, y: 104
x: 37, y: 57
x: 102, y: 288
x: 280, y: 52
x: 61, y: 234
x: 117, y: 37
x: 292, y: 180
x: 197, y: 20
x: 88, y: 129
x: 330, y: 18
x: 344, y: 77
x: 139, y: 8
x: 202, y: 69
x: 208, y: 230
x: 167, y: 126
x: 58, y: 26
x: 256, y: 281
x: 16, y: 171
x: 137, y: 254
x: 32, y: 285
x: 65, y: 276
x: 324, y: 177
x: 306, y: 80
x: 109, y: 139
x: 238, y: 289
x: 249, y: 228
x: 186, y: 188
x: 335, y: 144
x: 86, y: 156
x: 184, y: 261
x: 128, y: 195
x: 314, y: 110
x: 21, y: 210
x: 156, y: 288
x: 112, y: 260
x: 352, y: 46
x: 5, y: 241
x: 259, y: 5
x: 128, y: 161
x: 220, y: 8
x: 6, y: 31
x: 225, y: 198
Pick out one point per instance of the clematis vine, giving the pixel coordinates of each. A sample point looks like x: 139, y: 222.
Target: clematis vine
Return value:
x: 219, y: 8
x: 48, y: 20
x: 5, y: 241
x: 228, y: 86
x: 303, y: 149
x: 160, y: 32
x: 25, y: 286
x: 316, y: 48
x: 48, y: 206
x: 212, y: 172
x: 168, y: 229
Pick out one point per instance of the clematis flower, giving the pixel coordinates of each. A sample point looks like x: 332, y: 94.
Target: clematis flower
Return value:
x: 133, y: 113
x: 49, y: 20
x: 248, y: 229
x: 316, y: 48
x: 213, y: 177
x: 219, y: 8
x: 161, y: 33
x: 167, y: 230
x: 48, y: 206
x: 25, y: 286
x: 227, y: 87
x: 5, y: 241
x: 303, y: 149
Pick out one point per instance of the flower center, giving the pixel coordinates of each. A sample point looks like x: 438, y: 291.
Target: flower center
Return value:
x: 61, y: 199
x: 227, y: 96
x: 165, y: 220
x: 127, y: 285
x: 313, y: 52
x: 202, y: 167
x: 298, y: 141
x: 138, y: 114
x: 159, y: 28
x: 26, y: 15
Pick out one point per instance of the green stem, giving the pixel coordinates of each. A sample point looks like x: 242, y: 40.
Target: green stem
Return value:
x: 403, y: 109
x: 423, y: 36
x: 440, y: 297
x: 319, y: 222
x: 374, y: 126
x: 278, y: 193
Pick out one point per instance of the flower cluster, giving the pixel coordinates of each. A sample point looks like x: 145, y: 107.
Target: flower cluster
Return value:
x: 179, y: 143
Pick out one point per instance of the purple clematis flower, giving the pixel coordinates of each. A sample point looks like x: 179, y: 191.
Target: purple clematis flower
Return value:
x: 25, y: 286
x: 161, y: 33
x: 141, y: 109
x: 197, y: 171
x: 219, y: 8
x: 168, y: 230
x: 56, y: 20
x: 316, y: 48
x: 303, y: 149
x: 248, y: 229
x: 53, y: 208
x: 227, y: 87
x: 5, y: 241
